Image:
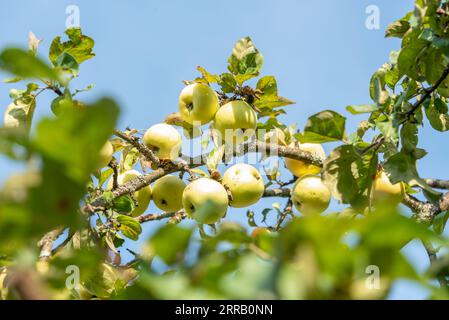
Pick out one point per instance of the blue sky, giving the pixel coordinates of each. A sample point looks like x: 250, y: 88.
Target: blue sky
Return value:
x: 320, y: 52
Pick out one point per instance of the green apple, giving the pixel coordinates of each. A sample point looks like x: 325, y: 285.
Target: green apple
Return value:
x: 386, y: 192
x: 310, y: 195
x: 205, y: 200
x: 105, y: 156
x: 198, y: 102
x: 142, y: 196
x: 245, y: 184
x: 167, y: 193
x: 164, y: 140
x: 236, y: 121
x: 301, y: 168
x: 60, y: 104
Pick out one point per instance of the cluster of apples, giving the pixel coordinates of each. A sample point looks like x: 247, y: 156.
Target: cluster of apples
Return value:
x: 206, y: 200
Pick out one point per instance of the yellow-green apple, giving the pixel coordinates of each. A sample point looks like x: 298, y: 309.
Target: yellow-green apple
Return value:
x: 245, y: 184
x: 164, y: 140
x: 142, y: 196
x: 386, y: 192
x: 167, y: 193
x: 198, y: 102
x: 105, y: 154
x: 205, y: 200
x: 236, y: 122
x: 310, y: 195
x: 301, y: 168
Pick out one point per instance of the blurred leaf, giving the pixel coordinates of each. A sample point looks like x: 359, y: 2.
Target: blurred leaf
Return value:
x: 440, y: 221
x: 80, y: 135
x: 24, y: 64
x: 170, y: 243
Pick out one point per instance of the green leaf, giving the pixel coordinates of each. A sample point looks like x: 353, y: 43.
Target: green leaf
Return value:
x: 209, y: 77
x: 440, y: 221
x: 104, y: 176
x: 129, y: 226
x: 24, y: 64
x: 269, y: 102
x: 74, y: 139
x: 349, y: 174
x: 362, y: 108
x: 324, y: 126
x: 124, y: 204
x: 377, y: 87
x: 67, y: 62
x: 245, y: 59
x: 388, y: 127
x: 437, y: 115
x: 411, y: 57
x: 268, y: 86
x: 397, y: 29
x: 79, y: 46
x: 401, y: 167
x: 170, y: 243
x: 227, y: 82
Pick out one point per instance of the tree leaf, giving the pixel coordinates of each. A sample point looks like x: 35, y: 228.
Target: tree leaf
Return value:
x: 349, y: 174
x: 24, y: 64
x: 437, y: 115
x: 268, y: 86
x: 124, y: 204
x: 324, y: 126
x: 209, y: 77
x: 401, y: 167
x: 227, y: 82
x: 170, y: 243
x: 129, y: 226
x: 79, y: 46
x: 19, y: 114
x: 362, y: 108
x: 245, y: 59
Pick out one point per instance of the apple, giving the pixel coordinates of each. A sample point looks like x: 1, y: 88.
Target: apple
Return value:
x: 236, y: 121
x: 63, y: 103
x: 198, y: 102
x: 386, y: 192
x: 142, y: 196
x: 167, y: 193
x: 301, y: 168
x: 105, y: 156
x: 310, y: 195
x: 205, y: 200
x: 245, y: 183
x: 164, y: 140
x: 60, y: 104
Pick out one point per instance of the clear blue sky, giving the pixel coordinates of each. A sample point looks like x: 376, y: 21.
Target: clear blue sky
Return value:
x: 320, y: 52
